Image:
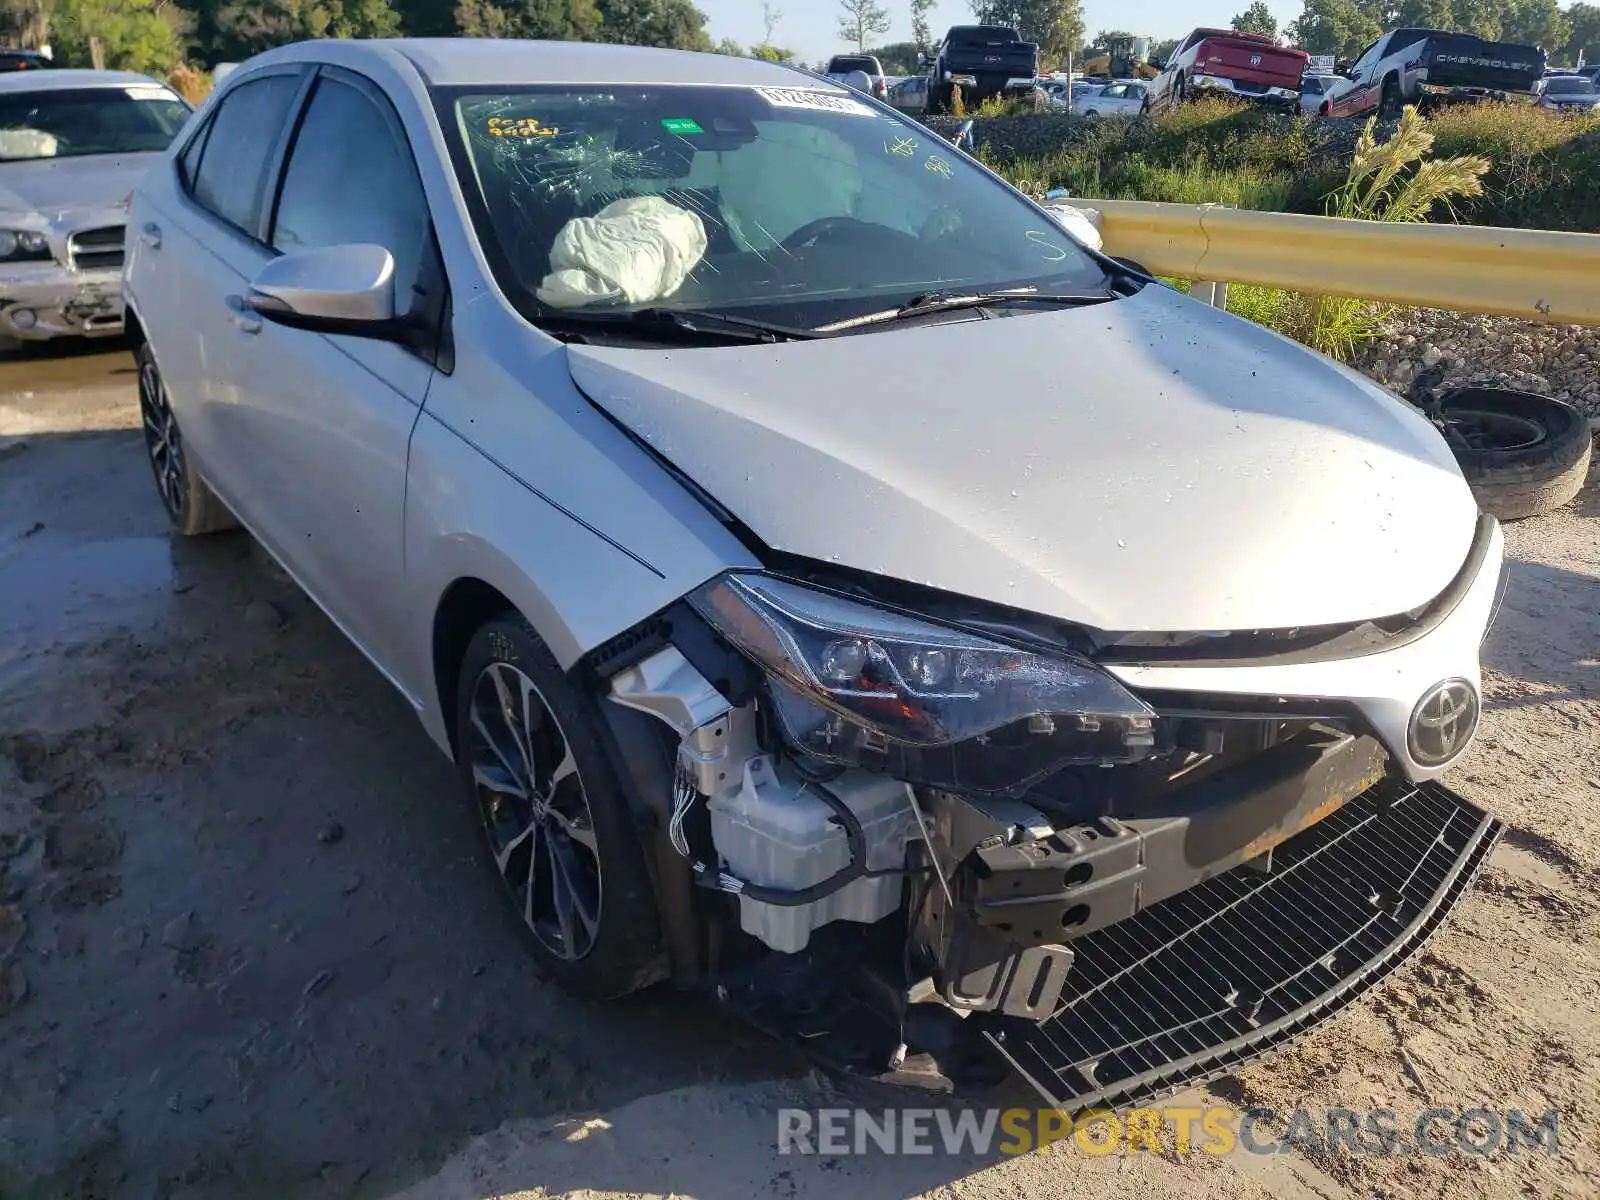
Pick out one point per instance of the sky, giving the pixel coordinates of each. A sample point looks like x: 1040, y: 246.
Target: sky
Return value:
x: 809, y: 27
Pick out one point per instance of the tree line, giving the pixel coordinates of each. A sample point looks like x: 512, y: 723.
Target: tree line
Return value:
x: 1346, y: 27
x: 156, y: 36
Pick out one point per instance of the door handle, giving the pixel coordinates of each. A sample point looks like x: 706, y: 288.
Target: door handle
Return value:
x: 150, y: 235
x: 243, y: 319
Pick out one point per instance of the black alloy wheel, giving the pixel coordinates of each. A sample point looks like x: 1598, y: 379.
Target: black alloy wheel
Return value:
x: 161, y: 438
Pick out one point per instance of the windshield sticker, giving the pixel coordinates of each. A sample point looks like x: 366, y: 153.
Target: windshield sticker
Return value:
x: 681, y: 125
x: 146, y: 92
x: 820, y: 101
x: 1053, y: 253
x: 938, y: 165
x: 901, y: 147
x: 519, y: 127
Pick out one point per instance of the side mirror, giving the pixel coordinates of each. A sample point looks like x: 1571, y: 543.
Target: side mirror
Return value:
x: 1342, y: 68
x: 925, y: 62
x: 1157, y: 64
x: 334, y: 289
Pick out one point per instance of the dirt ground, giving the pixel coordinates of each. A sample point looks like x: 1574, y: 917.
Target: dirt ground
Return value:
x: 245, y: 948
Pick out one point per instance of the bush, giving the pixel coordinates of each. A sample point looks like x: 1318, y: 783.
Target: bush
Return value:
x: 192, y: 83
x: 1544, y: 169
x: 1542, y: 174
x: 1007, y: 106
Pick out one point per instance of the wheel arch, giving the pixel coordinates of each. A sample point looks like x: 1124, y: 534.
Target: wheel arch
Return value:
x: 466, y: 604
x: 133, y: 327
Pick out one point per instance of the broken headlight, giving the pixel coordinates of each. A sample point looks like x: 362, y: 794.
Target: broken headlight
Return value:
x: 860, y: 685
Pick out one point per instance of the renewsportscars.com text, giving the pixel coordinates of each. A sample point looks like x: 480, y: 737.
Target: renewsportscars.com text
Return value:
x: 1374, y: 1132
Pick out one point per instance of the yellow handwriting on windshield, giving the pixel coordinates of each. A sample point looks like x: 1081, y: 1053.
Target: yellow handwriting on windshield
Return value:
x: 520, y: 127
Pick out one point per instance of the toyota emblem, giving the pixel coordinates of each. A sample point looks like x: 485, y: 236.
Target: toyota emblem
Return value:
x: 1443, y: 723
x: 1255, y: 60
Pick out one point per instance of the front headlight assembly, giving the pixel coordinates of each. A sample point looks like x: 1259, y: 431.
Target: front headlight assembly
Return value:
x: 859, y: 685
x: 23, y: 245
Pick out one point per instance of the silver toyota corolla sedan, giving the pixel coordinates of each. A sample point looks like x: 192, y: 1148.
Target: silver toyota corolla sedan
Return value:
x: 841, y: 592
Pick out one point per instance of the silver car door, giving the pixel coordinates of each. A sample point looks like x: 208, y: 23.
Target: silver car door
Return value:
x: 196, y: 250
x: 329, y: 416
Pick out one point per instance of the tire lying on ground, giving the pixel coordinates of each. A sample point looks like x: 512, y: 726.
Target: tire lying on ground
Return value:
x: 1522, y: 454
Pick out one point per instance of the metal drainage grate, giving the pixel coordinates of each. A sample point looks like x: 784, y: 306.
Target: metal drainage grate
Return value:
x: 1196, y: 986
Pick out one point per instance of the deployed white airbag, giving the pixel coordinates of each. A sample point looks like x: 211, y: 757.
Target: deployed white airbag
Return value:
x: 1082, y: 223
x: 634, y: 251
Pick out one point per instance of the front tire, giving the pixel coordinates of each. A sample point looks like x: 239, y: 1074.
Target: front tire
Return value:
x: 190, y: 503
x: 558, y: 832
x: 1390, y: 101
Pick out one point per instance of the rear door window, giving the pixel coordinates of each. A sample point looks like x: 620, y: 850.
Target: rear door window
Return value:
x: 239, y: 146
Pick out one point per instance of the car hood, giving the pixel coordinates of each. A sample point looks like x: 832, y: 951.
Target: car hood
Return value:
x: 1148, y: 464
x: 53, y: 187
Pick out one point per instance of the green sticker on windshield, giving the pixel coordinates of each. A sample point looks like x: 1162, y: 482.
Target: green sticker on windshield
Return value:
x: 681, y: 125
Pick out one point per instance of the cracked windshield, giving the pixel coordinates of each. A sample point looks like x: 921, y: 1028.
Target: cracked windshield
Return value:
x: 800, y: 206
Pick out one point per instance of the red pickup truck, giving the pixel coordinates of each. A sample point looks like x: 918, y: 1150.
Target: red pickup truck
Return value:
x: 1226, y: 62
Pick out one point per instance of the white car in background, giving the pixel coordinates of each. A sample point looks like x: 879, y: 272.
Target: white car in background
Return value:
x: 1119, y: 96
x: 1313, y: 87
x: 1064, y: 94
x: 72, y: 146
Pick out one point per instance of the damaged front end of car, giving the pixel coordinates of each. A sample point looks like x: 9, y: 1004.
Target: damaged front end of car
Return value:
x: 61, y: 274
x: 922, y: 849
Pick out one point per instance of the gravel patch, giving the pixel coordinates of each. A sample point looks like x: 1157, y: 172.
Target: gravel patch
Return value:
x: 1553, y: 360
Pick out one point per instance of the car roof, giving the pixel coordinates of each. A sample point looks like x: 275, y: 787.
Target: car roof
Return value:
x: 508, y: 62
x: 55, y: 80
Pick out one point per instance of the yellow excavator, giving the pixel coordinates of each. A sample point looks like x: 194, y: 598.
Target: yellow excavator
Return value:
x: 1121, y: 58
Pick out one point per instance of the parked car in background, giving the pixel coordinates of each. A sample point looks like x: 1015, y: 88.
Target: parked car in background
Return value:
x: 24, y: 60
x: 1313, y: 88
x: 841, y: 66
x: 910, y: 95
x: 1121, y: 96
x: 1569, y: 94
x: 72, y: 145
x: 1225, y: 62
x: 1428, y: 67
x: 984, y: 61
x: 917, y: 741
x: 1063, y: 94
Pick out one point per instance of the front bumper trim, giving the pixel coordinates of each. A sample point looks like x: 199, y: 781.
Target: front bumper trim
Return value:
x: 1197, y: 986
x: 62, y: 302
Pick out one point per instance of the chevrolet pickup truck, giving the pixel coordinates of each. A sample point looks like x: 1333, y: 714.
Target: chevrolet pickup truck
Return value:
x: 1429, y: 67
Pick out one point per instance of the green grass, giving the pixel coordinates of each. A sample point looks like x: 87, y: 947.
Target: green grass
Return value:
x: 1544, y: 169
x: 1490, y: 164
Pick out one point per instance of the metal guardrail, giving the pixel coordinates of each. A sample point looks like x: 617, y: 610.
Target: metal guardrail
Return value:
x: 1530, y: 273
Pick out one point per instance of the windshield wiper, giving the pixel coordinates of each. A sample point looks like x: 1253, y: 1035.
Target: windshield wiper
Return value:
x: 937, y: 302
x: 679, y: 321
